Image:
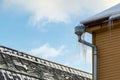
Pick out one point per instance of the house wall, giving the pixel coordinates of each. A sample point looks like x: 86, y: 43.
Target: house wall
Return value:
x: 108, y: 44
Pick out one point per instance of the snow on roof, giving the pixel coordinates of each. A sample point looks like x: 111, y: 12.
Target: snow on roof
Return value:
x: 103, y: 15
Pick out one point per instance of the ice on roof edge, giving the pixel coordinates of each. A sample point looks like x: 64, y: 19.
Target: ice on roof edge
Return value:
x: 106, y: 13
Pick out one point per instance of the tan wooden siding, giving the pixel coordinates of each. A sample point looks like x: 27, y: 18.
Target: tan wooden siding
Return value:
x: 108, y: 54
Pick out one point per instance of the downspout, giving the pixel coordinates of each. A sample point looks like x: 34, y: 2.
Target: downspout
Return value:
x: 79, y: 30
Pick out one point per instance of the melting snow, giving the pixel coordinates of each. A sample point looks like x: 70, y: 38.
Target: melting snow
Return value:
x: 105, y: 14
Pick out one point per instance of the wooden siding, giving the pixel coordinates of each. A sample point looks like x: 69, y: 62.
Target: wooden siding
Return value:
x: 108, y: 45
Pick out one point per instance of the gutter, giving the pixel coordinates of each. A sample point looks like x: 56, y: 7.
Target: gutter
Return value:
x: 79, y: 30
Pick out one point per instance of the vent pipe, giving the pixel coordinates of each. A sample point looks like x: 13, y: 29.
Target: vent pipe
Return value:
x: 79, y: 30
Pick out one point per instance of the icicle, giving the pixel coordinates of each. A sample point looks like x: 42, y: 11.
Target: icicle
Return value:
x: 79, y: 47
x: 79, y: 51
x: 84, y: 48
x: 110, y: 26
x: 110, y: 22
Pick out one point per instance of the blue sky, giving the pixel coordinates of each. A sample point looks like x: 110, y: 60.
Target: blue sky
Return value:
x: 45, y: 28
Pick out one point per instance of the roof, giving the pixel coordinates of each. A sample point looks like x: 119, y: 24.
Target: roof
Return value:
x: 102, y: 16
x: 19, y: 63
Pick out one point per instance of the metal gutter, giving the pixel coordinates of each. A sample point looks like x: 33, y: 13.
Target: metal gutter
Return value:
x: 79, y: 30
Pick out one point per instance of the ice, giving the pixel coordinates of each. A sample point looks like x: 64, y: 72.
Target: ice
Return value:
x: 105, y: 14
x: 84, y: 48
x: 110, y: 21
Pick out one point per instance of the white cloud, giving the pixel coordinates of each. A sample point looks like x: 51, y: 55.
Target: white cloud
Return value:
x: 47, y: 51
x: 45, y: 11
x: 64, y: 56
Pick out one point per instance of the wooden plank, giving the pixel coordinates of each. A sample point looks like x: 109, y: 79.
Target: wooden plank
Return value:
x: 108, y: 53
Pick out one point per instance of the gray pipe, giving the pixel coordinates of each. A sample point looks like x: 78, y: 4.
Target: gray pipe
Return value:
x: 95, y: 56
x: 79, y: 30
